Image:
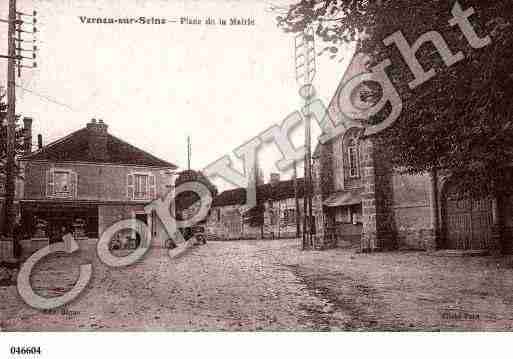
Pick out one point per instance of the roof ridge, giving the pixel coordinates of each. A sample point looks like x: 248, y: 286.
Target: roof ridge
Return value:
x: 51, y: 144
x: 143, y: 151
x: 70, y: 148
x: 264, y: 184
x: 357, y: 56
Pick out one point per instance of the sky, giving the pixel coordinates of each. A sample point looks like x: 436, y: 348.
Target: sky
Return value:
x: 156, y: 84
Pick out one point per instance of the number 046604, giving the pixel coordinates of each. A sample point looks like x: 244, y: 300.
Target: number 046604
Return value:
x: 25, y: 350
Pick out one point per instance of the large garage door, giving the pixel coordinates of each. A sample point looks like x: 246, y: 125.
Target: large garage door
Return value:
x: 468, y: 222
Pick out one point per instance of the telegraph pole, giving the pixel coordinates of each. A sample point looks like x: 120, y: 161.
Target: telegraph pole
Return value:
x: 11, y: 122
x: 296, y: 197
x: 14, y: 60
x: 188, y: 152
x: 305, y: 73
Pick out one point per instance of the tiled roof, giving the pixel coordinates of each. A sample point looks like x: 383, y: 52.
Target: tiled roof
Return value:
x: 230, y: 197
x: 344, y: 198
x: 279, y: 191
x: 74, y: 148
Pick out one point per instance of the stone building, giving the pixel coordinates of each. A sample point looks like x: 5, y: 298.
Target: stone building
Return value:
x: 366, y: 202
x: 227, y: 215
x: 88, y: 181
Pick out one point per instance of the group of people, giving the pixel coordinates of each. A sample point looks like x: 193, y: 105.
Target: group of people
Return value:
x: 64, y: 234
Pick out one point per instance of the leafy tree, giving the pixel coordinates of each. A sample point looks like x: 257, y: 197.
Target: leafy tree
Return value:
x: 254, y: 216
x: 185, y: 200
x: 7, y: 221
x: 461, y: 119
x: 3, y: 138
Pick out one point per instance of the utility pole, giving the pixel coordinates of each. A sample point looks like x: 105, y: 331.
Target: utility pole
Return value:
x: 11, y: 123
x: 14, y: 59
x: 296, y: 197
x: 188, y: 152
x: 305, y: 73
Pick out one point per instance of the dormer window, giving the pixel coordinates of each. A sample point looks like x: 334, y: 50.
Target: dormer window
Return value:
x: 352, y: 153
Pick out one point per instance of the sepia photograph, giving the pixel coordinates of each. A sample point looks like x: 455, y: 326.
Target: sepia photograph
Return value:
x: 294, y: 167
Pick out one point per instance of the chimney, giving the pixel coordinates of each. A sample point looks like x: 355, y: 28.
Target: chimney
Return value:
x: 40, y: 142
x: 27, y: 135
x: 97, y: 140
x: 274, y: 179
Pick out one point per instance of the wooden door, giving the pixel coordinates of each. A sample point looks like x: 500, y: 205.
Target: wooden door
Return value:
x: 468, y: 222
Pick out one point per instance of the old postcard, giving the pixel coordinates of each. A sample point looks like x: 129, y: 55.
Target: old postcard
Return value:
x: 255, y: 166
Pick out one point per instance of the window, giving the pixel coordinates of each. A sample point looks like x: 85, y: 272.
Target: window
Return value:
x: 352, y: 151
x: 342, y: 214
x: 349, y: 214
x: 141, y: 186
x: 61, y: 183
x: 289, y: 216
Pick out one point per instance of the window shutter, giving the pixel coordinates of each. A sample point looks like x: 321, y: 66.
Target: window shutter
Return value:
x: 130, y: 186
x: 49, y: 183
x: 73, y: 178
x: 153, y: 186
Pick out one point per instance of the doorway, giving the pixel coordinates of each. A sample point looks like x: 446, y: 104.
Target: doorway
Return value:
x: 468, y: 221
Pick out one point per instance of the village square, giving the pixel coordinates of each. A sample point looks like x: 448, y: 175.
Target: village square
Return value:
x: 387, y: 204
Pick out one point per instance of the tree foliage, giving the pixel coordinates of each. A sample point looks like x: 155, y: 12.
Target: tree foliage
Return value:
x: 461, y: 119
x: 19, y: 134
x: 255, y: 216
x: 186, y: 199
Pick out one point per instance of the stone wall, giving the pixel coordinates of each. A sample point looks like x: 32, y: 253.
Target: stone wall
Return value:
x: 379, y: 232
x: 396, y: 209
x: 412, y: 211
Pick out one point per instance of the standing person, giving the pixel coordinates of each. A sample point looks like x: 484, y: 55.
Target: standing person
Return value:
x: 67, y: 238
x: 17, y: 231
x: 54, y: 235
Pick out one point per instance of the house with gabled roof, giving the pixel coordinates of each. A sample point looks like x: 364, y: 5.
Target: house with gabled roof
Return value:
x: 88, y: 181
x: 227, y: 216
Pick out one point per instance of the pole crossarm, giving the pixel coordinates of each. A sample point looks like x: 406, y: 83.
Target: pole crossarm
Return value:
x: 8, y: 21
x: 26, y: 50
x: 34, y: 13
x: 34, y: 66
x: 23, y: 40
x: 304, y: 46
